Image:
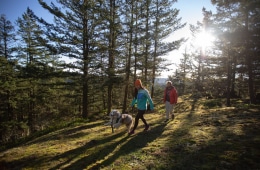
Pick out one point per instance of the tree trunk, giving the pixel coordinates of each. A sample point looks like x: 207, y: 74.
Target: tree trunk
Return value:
x: 249, y: 64
x: 228, y: 79
x: 85, y: 94
x: 128, y: 60
x: 111, y: 71
x: 147, y: 43
x: 250, y: 81
x: 85, y: 99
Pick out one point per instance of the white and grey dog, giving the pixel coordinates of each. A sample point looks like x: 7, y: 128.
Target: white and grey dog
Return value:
x: 117, y: 119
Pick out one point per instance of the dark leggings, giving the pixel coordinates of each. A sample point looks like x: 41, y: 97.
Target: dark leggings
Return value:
x: 140, y: 115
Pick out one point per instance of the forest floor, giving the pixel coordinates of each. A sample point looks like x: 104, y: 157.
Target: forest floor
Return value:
x: 204, y: 135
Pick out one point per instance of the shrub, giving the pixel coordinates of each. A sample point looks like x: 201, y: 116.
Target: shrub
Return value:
x: 212, y: 103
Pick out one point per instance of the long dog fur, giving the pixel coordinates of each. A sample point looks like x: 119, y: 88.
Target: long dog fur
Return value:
x: 118, y: 119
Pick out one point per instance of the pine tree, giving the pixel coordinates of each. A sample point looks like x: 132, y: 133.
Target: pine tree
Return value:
x: 81, y: 32
x: 7, y: 78
x: 32, y: 57
x: 7, y: 37
x: 185, y: 68
x: 165, y: 22
x: 239, y: 23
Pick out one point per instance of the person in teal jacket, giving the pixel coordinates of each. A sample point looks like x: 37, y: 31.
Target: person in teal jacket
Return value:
x: 141, y: 97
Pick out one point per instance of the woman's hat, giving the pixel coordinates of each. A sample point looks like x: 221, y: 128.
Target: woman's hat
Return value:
x: 169, y: 82
x: 138, y: 82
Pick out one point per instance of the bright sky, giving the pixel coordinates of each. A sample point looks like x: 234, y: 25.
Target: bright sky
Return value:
x: 190, y: 12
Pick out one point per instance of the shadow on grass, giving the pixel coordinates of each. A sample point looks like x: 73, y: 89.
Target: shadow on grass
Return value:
x: 217, y: 146
x: 65, y: 158
x: 48, y: 134
x: 74, y: 132
x: 90, y: 158
x: 230, y: 152
x: 103, y: 157
x: 230, y: 144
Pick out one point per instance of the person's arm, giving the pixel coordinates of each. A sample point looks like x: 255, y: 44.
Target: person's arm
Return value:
x: 149, y: 100
x: 164, y: 96
x: 175, y: 96
x: 133, y: 102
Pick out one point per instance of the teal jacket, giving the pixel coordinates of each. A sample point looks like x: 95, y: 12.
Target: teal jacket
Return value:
x: 142, y: 97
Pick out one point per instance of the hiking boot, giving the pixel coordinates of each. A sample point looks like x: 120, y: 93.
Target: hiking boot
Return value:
x: 173, y: 116
x: 146, y: 128
x: 131, y: 133
x: 166, y: 120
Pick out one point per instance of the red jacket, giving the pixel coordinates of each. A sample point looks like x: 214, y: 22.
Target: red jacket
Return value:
x: 173, y: 95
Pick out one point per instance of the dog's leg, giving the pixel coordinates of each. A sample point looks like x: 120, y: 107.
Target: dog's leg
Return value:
x: 107, y: 124
x: 117, y: 125
x: 129, y: 126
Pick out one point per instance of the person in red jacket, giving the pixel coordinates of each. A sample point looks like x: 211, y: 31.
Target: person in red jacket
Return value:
x: 170, y: 99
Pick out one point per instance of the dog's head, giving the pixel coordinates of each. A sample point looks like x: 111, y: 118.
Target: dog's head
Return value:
x: 126, y: 118
x: 114, y: 115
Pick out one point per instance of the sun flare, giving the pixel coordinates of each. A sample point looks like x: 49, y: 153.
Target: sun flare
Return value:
x: 204, y: 41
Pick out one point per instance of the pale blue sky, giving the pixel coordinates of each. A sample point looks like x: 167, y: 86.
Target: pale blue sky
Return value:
x: 190, y: 12
x: 15, y: 8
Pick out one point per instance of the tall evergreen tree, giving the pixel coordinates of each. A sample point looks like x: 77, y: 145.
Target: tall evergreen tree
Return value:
x: 7, y: 78
x: 130, y: 13
x: 239, y: 22
x: 165, y: 21
x: 77, y: 32
x: 185, y: 68
x: 113, y: 31
x: 32, y: 57
x: 7, y: 37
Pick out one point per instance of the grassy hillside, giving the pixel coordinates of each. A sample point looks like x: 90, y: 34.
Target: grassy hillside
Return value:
x: 204, y: 135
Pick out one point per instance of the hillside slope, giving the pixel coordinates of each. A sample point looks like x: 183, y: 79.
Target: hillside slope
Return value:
x: 203, y: 135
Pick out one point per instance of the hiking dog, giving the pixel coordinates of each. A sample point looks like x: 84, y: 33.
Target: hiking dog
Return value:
x: 117, y: 119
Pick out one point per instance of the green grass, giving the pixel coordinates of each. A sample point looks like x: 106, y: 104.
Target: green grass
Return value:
x: 200, y: 137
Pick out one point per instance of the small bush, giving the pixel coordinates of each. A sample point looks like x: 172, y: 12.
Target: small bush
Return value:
x: 212, y: 103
